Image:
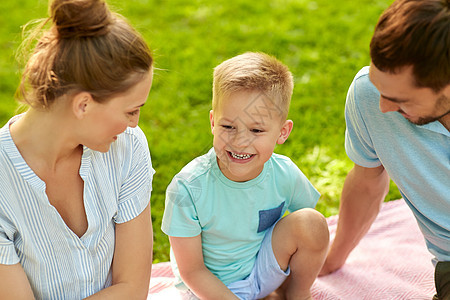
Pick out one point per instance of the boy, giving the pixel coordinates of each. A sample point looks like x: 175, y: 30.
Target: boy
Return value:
x: 224, y: 210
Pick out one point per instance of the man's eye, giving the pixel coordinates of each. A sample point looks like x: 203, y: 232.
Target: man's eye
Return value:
x: 228, y: 127
x: 256, y: 130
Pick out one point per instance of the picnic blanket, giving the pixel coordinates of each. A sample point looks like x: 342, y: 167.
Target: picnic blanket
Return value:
x: 390, y: 262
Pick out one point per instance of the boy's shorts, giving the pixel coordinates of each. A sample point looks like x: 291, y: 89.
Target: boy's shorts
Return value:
x: 266, y: 275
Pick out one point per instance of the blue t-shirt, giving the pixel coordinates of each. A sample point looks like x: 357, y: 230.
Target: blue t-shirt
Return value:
x: 59, y: 264
x: 417, y: 158
x: 232, y: 217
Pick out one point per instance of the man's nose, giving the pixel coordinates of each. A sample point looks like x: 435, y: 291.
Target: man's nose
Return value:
x: 387, y: 105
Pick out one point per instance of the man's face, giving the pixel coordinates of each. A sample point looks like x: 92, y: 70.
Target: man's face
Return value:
x: 419, y: 105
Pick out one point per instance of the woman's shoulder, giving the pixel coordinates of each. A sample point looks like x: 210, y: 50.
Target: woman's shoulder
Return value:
x: 134, y: 135
x: 131, y: 142
x: 130, y: 149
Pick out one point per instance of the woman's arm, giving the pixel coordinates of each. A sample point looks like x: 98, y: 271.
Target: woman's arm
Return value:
x: 189, y: 257
x: 132, y: 262
x: 14, y: 283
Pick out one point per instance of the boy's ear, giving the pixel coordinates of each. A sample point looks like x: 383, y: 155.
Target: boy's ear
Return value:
x: 285, y: 131
x: 81, y: 103
x: 211, y: 120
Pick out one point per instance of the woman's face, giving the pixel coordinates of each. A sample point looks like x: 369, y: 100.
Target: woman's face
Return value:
x: 112, y: 117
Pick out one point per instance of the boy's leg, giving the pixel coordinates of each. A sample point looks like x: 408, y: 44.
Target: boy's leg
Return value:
x: 300, y: 240
x: 266, y: 275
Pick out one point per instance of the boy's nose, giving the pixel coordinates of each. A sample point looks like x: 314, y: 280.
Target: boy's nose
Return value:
x: 242, y: 139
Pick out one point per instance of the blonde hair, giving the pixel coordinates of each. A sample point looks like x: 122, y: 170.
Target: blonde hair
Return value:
x: 87, y: 48
x: 254, y: 71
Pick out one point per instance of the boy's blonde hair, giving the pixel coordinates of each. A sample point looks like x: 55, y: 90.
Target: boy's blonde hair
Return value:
x: 254, y: 71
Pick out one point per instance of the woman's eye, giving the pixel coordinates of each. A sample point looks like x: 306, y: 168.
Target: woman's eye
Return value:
x: 133, y: 113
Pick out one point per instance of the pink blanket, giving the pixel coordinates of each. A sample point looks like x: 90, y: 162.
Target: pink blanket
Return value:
x: 391, y: 262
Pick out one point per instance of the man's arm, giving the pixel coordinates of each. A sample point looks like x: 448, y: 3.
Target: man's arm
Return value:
x: 363, y: 193
x: 189, y: 257
x: 132, y: 263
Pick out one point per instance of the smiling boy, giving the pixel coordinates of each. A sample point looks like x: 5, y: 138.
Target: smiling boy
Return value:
x: 224, y: 210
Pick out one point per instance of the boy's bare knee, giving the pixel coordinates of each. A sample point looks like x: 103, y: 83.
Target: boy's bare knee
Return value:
x: 312, y: 227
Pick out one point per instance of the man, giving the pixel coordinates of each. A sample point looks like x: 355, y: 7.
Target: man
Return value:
x: 398, y: 122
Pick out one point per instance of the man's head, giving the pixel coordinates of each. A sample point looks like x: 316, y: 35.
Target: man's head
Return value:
x: 410, y: 52
x: 415, y: 33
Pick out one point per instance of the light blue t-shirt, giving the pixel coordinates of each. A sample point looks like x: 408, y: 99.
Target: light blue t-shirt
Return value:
x: 59, y: 264
x: 417, y: 158
x: 232, y: 217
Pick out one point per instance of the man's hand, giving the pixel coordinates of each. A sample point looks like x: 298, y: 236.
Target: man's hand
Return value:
x: 363, y: 193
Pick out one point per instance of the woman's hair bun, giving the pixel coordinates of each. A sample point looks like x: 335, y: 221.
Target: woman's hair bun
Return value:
x: 80, y: 18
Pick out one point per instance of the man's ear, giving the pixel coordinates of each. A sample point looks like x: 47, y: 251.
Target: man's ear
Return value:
x: 211, y: 120
x: 285, y: 131
x: 81, y: 103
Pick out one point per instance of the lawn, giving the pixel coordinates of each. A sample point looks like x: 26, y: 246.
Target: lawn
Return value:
x: 323, y: 42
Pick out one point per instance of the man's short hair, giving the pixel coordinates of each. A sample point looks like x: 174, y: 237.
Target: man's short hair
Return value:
x: 415, y: 33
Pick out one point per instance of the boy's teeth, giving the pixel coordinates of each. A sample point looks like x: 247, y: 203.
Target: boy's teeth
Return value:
x: 240, y: 156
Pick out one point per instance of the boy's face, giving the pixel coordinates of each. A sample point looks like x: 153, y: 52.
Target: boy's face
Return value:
x: 246, y: 126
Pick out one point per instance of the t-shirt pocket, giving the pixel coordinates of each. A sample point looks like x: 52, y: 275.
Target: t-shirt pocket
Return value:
x: 268, y: 217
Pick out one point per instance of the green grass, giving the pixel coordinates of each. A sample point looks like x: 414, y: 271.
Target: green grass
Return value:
x: 323, y: 42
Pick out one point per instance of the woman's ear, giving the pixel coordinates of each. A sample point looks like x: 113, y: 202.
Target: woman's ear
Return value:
x: 211, y: 120
x: 81, y: 103
x: 285, y: 131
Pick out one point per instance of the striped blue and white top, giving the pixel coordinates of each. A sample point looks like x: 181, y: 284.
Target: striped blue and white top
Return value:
x: 59, y: 264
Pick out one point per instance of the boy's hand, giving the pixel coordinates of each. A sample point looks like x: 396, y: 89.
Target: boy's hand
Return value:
x: 189, y: 256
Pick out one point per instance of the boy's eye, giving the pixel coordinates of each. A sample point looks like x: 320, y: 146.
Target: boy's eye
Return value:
x: 256, y: 130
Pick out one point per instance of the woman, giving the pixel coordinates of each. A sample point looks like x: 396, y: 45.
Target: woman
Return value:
x: 75, y: 170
